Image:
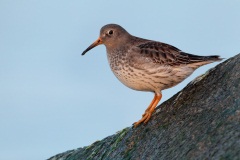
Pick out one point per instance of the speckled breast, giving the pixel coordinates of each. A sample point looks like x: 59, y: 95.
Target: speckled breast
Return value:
x: 128, y: 75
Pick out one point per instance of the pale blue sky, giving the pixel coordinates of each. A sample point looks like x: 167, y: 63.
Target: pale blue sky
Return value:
x: 52, y: 99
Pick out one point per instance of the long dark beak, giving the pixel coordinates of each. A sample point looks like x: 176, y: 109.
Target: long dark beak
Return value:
x: 96, y: 43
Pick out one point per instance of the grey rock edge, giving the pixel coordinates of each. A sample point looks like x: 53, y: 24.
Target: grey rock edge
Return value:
x: 200, y: 122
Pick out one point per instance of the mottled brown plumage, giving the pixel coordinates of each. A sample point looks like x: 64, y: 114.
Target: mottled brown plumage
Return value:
x: 146, y: 65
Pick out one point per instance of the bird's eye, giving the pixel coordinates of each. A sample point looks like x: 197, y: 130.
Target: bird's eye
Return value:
x: 110, y: 32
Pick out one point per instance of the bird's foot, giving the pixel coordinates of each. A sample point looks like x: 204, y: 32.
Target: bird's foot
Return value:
x: 144, y: 114
x: 148, y: 112
x: 145, y: 118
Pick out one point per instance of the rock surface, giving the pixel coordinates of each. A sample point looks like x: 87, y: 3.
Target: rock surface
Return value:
x: 200, y: 122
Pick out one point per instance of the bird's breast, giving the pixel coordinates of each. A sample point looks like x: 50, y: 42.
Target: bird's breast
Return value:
x: 131, y: 77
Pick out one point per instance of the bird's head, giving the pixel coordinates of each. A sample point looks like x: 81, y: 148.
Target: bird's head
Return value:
x: 111, y: 35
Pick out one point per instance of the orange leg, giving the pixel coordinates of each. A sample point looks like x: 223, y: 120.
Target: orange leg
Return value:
x: 154, y: 99
x: 148, y: 113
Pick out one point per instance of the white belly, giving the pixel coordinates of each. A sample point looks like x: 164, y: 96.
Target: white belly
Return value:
x: 155, y: 81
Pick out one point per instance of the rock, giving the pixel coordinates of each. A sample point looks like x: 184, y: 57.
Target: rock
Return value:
x: 200, y: 122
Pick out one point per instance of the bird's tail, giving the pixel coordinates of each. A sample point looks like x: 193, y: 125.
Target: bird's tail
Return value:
x: 197, y: 61
x: 212, y: 58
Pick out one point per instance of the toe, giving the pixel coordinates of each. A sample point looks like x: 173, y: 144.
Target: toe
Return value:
x: 140, y: 121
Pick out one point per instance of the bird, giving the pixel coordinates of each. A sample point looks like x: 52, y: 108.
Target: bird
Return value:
x: 147, y: 65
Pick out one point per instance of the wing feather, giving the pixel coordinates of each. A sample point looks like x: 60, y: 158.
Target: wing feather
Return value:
x: 166, y: 54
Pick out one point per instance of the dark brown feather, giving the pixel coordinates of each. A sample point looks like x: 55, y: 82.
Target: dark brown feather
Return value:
x: 169, y: 55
